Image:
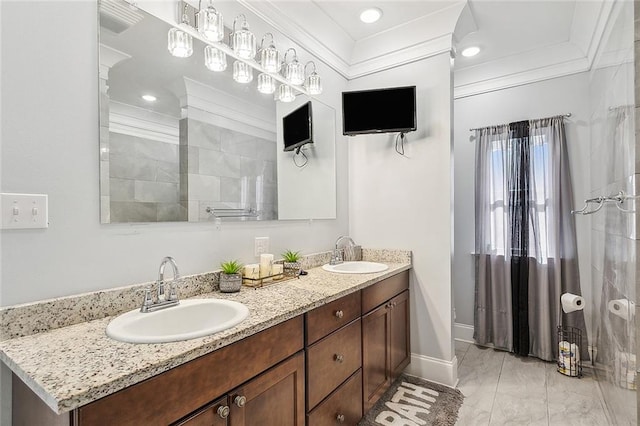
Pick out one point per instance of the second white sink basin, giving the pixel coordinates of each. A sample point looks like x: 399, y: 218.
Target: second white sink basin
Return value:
x: 361, y: 267
x: 190, y: 319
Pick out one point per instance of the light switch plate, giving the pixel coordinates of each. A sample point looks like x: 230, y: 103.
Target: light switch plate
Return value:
x: 24, y: 211
x: 261, y: 246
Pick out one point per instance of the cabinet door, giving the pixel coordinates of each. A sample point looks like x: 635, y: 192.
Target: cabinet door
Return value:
x: 274, y: 398
x: 375, y: 355
x: 399, y: 351
x: 214, y: 414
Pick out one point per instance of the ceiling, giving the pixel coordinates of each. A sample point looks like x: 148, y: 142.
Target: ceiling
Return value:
x: 522, y: 40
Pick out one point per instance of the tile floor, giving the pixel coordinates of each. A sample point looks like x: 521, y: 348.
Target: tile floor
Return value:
x: 503, y: 389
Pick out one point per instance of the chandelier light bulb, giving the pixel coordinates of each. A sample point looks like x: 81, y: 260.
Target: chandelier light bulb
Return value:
x: 286, y: 93
x: 180, y: 44
x: 242, y: 73
x: 215, y: 59
x: 266, y: 84
x: 243, y: 40
x: 210, y: 23
x: 269, y: 56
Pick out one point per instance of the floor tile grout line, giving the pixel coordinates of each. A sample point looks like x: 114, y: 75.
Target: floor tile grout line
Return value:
x: 546, y: 390
x: 495, y: 393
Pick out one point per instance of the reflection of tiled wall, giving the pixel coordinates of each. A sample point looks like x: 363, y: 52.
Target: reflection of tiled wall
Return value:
x: 226, y: 169
x: 144, y: 180
x: 614, y: 234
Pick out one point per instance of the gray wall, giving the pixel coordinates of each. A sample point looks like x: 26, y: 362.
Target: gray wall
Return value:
x: 405, y: 202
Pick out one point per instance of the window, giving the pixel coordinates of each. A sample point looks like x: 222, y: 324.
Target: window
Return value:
x: 538, y: 195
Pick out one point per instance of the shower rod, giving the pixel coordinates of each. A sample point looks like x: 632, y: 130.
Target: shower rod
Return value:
x: 504, y: 124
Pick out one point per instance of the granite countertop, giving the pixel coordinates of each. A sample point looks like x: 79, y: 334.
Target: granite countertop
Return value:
x: 72, y: 366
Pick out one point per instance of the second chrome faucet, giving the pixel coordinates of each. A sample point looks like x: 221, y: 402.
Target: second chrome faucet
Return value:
x: 166, y: 293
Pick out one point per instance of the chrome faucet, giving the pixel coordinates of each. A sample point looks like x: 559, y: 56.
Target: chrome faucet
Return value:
x: 338, y: 256
x: 164, y: 297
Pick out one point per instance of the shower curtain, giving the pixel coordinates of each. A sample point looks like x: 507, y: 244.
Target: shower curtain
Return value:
x: 525, y: 243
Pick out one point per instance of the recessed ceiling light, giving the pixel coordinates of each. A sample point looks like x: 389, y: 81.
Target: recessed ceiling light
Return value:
x: 471, y: 51
x: 149, y: 98
x: 369, y: 16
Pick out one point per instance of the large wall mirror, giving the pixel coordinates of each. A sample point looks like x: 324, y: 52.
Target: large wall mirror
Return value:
x: 179, y: 142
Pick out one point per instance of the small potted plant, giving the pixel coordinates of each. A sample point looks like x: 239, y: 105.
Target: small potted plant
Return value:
x: 292, y: 264
x: 230, y: 276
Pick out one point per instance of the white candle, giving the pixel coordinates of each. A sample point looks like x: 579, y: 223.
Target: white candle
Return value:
x: 252, y: 271
x: 266, y: 263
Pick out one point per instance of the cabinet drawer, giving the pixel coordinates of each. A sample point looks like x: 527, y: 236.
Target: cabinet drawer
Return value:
x: 379, y: 293
x: 344, y: 406
x: 331, y: 361
x: 330, y: 317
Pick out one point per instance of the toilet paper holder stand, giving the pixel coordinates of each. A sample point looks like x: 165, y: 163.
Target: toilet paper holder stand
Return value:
x: 569, y: 343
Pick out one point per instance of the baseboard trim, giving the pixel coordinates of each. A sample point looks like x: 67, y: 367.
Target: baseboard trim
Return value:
x: 463, y: 332
x: 434, y: 369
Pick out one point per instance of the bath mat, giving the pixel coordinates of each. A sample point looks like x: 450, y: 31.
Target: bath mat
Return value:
x: 412, y: 401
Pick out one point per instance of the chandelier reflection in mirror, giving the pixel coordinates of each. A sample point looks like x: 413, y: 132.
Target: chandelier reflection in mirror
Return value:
x: 180, y: 43
x: 242, y: 47
x: 209, y: 22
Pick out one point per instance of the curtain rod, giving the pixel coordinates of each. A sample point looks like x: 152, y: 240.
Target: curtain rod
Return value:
x: 561, y: 115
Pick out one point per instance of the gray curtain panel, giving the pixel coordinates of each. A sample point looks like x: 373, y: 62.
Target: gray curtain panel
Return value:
x: 551, y: 246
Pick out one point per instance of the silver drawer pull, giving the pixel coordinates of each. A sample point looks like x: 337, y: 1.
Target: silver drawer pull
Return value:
x: 240, y: 400
x: 340, y: 418
x: 223, y: 411
x: 338, y: 357
x: 339, y: 314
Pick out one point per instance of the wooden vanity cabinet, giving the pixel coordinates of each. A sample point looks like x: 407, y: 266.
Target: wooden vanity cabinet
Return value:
x: 354, y: 347
x: 174, y: 394
x: 385, y: 335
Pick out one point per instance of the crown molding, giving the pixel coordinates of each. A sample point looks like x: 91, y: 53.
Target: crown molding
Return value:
x: 130, y: 120
x: 402, y: 56
x: 590, y: 18
x: 222, y: 104
x: 353, y: 59
x: 521, y: 78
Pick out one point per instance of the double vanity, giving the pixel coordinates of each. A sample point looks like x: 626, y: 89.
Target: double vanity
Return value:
x: 318, y: 350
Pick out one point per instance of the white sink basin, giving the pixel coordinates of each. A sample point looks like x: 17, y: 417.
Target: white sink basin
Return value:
x: 356, y: 267
x: 190, y: 319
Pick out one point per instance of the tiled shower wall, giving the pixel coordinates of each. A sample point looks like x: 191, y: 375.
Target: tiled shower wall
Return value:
x: 226, y: 169
x: 614, y: 235
x: 144, y: 180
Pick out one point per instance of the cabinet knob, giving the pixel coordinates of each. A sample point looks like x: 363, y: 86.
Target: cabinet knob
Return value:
x: 338, y: 357
x: 240, y: 400
x: 339, y: 314
x: 223, y: 411
x: 340, y: 418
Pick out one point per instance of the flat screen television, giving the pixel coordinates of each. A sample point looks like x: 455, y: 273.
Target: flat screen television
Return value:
x: 297, y: 128
x: 379, y: 111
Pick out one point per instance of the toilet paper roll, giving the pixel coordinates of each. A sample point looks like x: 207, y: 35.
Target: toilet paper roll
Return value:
x: 622, y: 308
x: 571, y: 302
